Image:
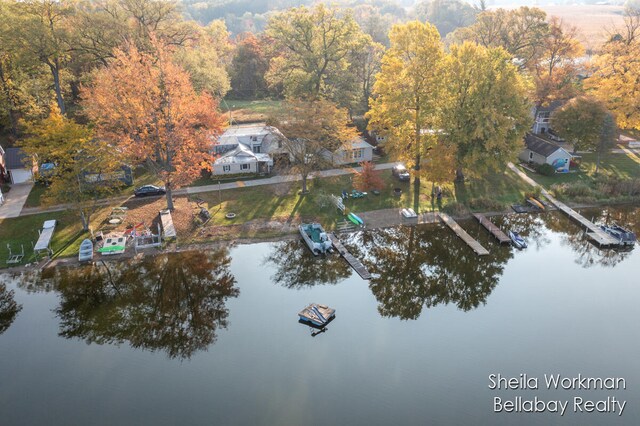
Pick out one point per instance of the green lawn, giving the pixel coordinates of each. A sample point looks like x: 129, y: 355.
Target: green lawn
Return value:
x: 283, y: 202
x: 23, y: 231
x: 618, y: 165
x: 262, y: 105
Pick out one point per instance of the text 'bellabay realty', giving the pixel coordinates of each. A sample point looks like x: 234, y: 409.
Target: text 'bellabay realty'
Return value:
x: 577, y: 404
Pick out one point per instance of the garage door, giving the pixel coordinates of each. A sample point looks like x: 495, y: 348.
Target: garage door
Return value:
x: 19, y: 175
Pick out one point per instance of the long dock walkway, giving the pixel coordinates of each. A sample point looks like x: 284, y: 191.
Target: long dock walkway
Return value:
x: 351, y: 259
x: 476, y: 246
x: 492, y: 228
x: 595, y: 233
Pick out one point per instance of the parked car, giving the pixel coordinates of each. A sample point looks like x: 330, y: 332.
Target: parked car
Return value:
x: 401, y: 172
x: 143, y: 191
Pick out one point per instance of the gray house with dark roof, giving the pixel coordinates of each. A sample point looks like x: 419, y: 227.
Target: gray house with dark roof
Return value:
x: 540, y: 151
x: 542, y: 116
x: 16, y: 165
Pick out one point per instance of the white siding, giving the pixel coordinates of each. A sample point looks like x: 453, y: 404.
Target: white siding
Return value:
x: 20, y: 175
x: 356, y: 155
x: 234, y: 168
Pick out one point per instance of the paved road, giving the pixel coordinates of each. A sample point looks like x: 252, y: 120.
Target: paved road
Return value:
x: 14, y: 200
x: 275, y: 180
x: 215, y: 187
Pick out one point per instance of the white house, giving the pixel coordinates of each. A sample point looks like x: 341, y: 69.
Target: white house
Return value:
x: 242, y: 160
x: 540, y: 151
x: 357, y: 152
x: 15, y: 163
x: 247, y: 149
x: 542, y: 116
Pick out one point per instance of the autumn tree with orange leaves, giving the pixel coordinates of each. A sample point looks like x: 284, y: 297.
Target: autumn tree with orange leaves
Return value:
x: 146, y: 106
x: 369, y: 178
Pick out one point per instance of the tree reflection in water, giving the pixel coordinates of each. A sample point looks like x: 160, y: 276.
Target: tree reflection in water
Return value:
x: 171, y: 302
x: 8, y: 308
x: 296, y: 267
x: 424, y: 266
x: 588, y: 254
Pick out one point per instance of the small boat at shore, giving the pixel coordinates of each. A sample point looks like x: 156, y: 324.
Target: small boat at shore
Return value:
x: 317, y: 315
x: 316, y: 238
x: 85, y: 254
x: 517, y: 240
x: 535, y: 203
x: 625, y: 236
x: 408, y: 213
x: 355, y: 219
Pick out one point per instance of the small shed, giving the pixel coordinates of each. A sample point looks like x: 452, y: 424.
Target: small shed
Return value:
x: 540, y: 151
x: 18, y: 165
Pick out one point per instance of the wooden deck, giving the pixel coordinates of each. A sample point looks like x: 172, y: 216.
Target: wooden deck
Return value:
x: 476, y: 246
x: 492, y: 228
x: 168, y: 230
x: 596, y: 234
x: 351, y: 260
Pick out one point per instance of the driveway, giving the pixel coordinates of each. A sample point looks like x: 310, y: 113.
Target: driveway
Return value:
x: 14, y: 200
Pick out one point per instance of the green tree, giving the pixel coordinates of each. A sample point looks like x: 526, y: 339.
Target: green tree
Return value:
x: 314, y: 131
x: 248, y: 68
x: 616, y: 77
x: 206, y: 57
x: 315, y: 45
x: 43, y: 31
x: 585, y: 122
x: 407, y: 96
x: 486, y: 108
x: 521, y: 32
x: 75, y: 153
x: 446, y: 15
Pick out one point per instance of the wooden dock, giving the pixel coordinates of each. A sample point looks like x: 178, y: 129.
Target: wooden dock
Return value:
x: 492, y: 228
x: 596, y: 234
x: 169, y: 231
x: 351, y: 259
x: 476, y: 246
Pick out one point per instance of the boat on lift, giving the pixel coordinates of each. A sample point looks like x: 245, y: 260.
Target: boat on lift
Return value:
x: 623, y: 235
x: 316, y: 238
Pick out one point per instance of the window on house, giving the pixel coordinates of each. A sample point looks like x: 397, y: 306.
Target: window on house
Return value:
x: 357, y: 153
x: 254, y: 138
x: 279, y: 143
x: 226, y: 168
x: 245, y: 167
x: 531, y: 156
x: 256, y: 149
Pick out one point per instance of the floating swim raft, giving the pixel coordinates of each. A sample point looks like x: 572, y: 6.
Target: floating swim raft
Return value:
x: 317, y: 314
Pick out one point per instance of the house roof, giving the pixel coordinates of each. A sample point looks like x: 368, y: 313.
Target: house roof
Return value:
x: 551, y: 106
x: 15, y: 158
x: 540, y: 146
x: 360, y: 143
x: 241, y: 154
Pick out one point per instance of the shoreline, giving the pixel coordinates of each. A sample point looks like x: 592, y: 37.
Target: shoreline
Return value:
x: 382, y: 219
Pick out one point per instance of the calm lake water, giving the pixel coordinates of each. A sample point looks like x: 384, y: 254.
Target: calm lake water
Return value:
x: 213, y: 338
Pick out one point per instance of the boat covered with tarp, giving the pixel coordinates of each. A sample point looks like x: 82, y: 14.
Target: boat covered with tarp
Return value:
x: 85, y: 254
x: 623, y: 235
x: 316, y: 238
x: 316, y: 314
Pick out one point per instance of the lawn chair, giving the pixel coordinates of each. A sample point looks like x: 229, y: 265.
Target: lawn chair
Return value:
x: 14, y: 259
